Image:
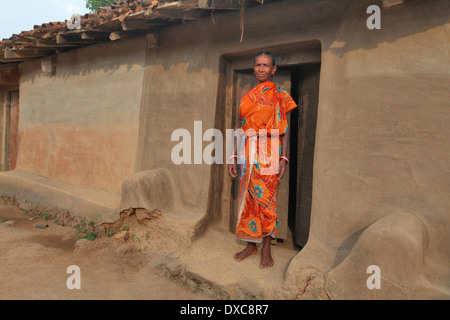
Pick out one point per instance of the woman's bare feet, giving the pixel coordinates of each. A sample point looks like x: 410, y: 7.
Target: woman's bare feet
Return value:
x: 266, y: 257
x: 249, y: 250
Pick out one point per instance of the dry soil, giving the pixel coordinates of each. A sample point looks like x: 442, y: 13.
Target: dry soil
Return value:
x: 34, y: 261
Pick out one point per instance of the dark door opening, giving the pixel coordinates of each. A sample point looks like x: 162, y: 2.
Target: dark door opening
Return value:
x: 9, y: 121
x: 305, y: 92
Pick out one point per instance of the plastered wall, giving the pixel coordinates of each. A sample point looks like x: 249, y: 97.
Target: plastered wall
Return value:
x: 380, y: 150
x: 381, y: 163
x: 80, y: 124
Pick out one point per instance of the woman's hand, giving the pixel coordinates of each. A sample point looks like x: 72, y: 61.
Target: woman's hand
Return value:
x: 232, y: 169
x: 282, y: 170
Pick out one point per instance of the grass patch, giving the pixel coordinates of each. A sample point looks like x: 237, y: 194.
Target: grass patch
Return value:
x: 90, y: 236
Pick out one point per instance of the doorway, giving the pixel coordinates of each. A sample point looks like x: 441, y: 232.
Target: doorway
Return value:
x: 295, y: 190
x: 9, y: 125
x: 305, y: 92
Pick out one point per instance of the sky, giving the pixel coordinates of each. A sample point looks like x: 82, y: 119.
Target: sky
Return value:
x: 22, y: 15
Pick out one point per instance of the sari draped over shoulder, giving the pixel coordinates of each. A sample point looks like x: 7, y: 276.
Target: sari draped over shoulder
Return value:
x: 263, y: 113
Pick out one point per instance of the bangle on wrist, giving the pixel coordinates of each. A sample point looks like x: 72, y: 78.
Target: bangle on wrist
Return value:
x: 284, y: 158
x: 233, y: 156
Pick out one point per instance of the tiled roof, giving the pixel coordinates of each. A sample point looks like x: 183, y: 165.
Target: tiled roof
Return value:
x: 122, y: 19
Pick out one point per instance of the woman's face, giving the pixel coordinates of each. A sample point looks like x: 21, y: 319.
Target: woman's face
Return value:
x: 263, y: 68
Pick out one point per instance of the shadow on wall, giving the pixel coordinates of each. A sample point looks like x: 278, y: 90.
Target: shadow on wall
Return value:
x: 319, y: 19
x: 106, y: 58
x: 396, y: 22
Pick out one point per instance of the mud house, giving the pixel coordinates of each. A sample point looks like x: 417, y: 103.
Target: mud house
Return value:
x: 87, y: 114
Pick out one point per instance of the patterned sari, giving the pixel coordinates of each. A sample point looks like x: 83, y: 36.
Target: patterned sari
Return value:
x: 263, y: 120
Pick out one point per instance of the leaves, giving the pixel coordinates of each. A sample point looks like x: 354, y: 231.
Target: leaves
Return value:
x: 94, y: 4
x: 90, y: 236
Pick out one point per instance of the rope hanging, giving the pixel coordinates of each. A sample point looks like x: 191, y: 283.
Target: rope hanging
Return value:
x: 242, y: 19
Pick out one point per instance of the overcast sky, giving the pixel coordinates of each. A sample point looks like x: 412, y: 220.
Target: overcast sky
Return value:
x: 22, y: 15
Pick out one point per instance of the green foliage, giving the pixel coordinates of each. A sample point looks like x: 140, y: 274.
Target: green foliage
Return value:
x: 90, y: 236
x: 94, y: 4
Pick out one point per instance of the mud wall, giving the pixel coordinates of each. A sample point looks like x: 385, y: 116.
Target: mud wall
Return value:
x: 380, y: 180
x: 79, y: 124
x: 381, y: 157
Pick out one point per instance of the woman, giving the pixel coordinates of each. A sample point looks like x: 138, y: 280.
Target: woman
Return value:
x: 262, y: 156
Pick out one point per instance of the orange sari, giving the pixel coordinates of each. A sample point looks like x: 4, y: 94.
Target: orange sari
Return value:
x: 263, y: 120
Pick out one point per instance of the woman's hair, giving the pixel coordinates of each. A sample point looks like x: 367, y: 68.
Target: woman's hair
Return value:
x: 270, y: 55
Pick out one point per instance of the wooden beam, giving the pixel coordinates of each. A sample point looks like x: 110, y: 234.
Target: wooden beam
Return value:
x: 25, y: 40
x: 95, y: 35
x: 33, y: 53
x: 3, y: 60
x: 128, y: 25
x: 69, y: 37
x: 117, y: 35
x: 219, y: 4
x: 75, y: 39
x: 54, y: 45
x: 60, y: 39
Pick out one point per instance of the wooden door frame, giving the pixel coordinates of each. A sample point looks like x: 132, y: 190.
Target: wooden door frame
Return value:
x: 5, y: 135
x: 287, y: 55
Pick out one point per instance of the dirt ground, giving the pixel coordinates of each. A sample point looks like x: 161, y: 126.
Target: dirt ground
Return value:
x: 40, y: 245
